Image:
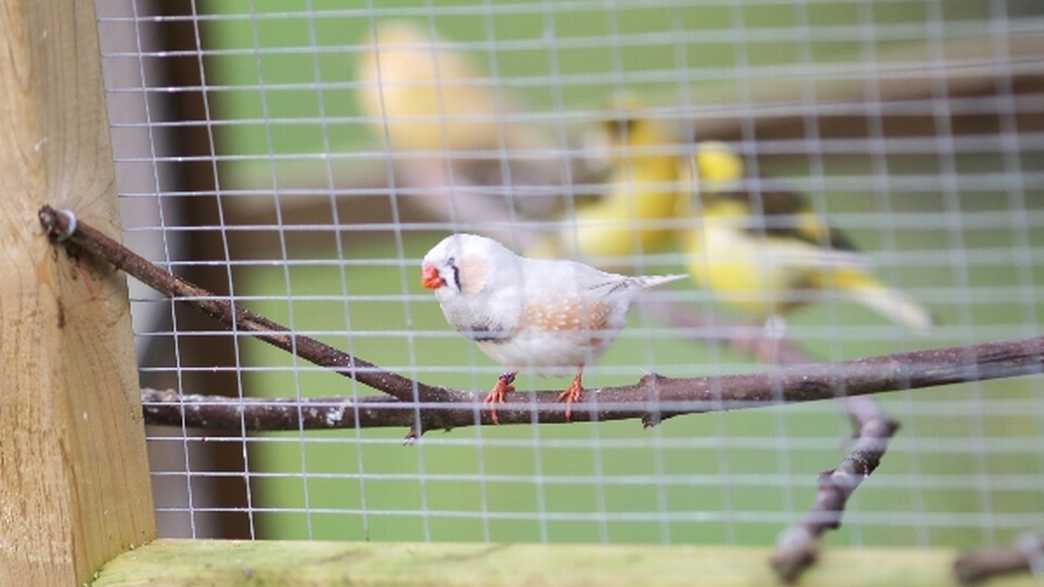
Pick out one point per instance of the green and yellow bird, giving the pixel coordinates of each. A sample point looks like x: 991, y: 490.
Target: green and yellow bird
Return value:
x: 644, y: 189
x: 769, y: 252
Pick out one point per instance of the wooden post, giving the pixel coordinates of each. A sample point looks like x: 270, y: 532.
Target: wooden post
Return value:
x: 74, y: 484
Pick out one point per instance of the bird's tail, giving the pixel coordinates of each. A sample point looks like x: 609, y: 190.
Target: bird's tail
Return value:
x: 890, y: 303
x: 647, y: 281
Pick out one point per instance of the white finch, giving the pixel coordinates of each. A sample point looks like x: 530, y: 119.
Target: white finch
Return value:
x: 546, y: 315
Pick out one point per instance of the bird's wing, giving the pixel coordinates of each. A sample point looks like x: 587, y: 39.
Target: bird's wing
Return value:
x: 806, y: 255
x: 552, y: 279
x: 780, y: 215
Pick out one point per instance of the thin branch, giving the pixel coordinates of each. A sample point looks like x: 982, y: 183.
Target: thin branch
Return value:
x: 652, y: 397
x: 979, y: 565
x: 797, y: 547
x: 62, y: 226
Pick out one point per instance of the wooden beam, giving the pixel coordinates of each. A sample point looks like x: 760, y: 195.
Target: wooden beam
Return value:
x: 74, y: 482
x: 902, y: 74
x: 185, y: 563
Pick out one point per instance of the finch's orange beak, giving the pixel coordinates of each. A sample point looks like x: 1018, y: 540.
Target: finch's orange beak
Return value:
x: 430, y: 278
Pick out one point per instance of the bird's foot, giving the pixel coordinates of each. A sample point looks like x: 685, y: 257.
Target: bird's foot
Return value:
x: 497, y: 394
x: 571, y: 394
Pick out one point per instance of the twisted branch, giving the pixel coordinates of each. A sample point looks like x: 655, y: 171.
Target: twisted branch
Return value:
x: 798, y: 546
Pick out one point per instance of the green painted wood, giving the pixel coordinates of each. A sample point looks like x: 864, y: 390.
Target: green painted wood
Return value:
x: 183, y: 563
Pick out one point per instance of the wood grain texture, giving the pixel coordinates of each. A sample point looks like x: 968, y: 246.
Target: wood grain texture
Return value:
x: 234, y: 563
x: 74, y: 485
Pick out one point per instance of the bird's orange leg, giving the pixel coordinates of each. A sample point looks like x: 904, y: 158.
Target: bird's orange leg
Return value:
x: 572, y: 393
x: 497, y: 394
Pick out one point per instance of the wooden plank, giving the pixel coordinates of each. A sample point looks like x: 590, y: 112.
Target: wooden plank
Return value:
x: 73, y: 471
x: 904, y: 73
x: 231, y: 563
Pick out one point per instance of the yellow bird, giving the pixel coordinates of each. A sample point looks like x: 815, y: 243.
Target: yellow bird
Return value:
x: 717, y: 167
x: 425, y: 98
x: 430, y: 97
x: 643, y: 191
x: 769, y: 253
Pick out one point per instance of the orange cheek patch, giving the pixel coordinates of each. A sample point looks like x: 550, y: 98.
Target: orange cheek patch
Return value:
x: 473, y: 274
x: 570, y: 314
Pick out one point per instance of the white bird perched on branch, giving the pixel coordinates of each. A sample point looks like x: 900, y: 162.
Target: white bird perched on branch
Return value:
x: 547, y: 315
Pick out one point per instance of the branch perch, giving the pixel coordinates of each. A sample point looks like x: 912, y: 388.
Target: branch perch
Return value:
x: 652, y: 398
x: 63, y: 227
x: 1027, y: 555
x: 797, y: 547
x: 673, y: 396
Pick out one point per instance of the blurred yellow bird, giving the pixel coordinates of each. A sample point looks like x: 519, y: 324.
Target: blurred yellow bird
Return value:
x: 643, y: 191
x: 430, y: 97
x: 425, y: 98
x: 717, y: 167
x: 769, y: 253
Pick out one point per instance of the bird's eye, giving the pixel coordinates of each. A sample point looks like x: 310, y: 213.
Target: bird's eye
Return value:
x: 456, y: 276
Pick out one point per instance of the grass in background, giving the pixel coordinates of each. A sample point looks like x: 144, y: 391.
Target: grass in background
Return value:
x: 732, y: 477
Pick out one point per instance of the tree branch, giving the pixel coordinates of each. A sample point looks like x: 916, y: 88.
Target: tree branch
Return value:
x: 62, y: 227
x: 979, y: 565
x: 797, y: 547
x: 654, y: 396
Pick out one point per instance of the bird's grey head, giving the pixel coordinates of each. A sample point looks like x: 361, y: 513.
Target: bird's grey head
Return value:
x: 462, y: 265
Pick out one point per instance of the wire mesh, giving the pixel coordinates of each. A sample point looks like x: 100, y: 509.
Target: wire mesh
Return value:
x: 247, y: 163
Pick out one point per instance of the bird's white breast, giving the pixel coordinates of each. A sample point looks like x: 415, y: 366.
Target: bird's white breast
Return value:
x: 554, y: 316
x: 548, y: 352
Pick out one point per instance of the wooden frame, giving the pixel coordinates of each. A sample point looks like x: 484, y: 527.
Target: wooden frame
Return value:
x: 235, y: 563
x: 74, y: 479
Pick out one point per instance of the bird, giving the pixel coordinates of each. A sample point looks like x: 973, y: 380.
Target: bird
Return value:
x: 643, y: 188
x: 552, y: 316
x: 427, y: 95
x: 437, y: 105
x: 769, y: 253
x: 717, y: 166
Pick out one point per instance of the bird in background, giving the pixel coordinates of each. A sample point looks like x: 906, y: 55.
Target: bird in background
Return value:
x: 435, y: 103
x: 431, y: 97
x: 717, y: 167
x: 768, y: 252
x: 549, y: 316
x: 643, y: 189
x: 648, y: 186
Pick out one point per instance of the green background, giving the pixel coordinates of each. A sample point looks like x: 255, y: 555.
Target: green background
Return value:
x: 958, y: 473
